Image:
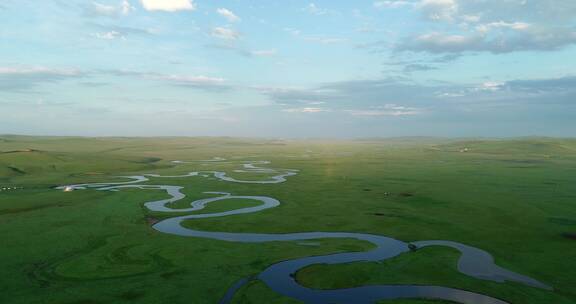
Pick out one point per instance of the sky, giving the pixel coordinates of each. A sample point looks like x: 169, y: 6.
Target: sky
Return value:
x: 288, y: 68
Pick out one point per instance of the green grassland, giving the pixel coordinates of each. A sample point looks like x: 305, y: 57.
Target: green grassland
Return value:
x: 514, y: 198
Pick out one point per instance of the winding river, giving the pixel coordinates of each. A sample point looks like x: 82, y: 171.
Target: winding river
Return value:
x: 279, y: 277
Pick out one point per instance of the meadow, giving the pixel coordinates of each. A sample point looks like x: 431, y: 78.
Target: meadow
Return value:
x: 515, y: 198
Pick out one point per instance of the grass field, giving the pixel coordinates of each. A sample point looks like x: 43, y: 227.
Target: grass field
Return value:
x: 514, y: 198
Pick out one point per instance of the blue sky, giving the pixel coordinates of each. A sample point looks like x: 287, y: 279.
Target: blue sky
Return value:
x: 288, y: 68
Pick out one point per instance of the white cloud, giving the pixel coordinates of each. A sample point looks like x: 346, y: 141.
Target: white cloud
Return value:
x: 393, y: 106
x: 38, y: 70
x: 263, y: 53
x: 228, y: 14
x: 168, y: 5
x: 313, y: 9
x: 326, y: 40
x: 99, y: 9
x: 305, y: 110
x: 483, y: 88
x: 292, y: 31
x: 243, y: 51
x: 487, y: 27
x: 470, y: 18
x: 439, y: 42
x: 126, y: 7
x: 111, y: 35
x: 383, y: 112
x: 190, y: 80
x: 225, y: 33
x: 22, y: 78
x: 494, y: 38
x: 102, y: 9
x: 392, y: 4
x: 390, y: 109
x: 495, y: 26
x: 491, y: 86
x: 108, y: 32
x: 439, y: 9
x: 318, y: 39
x: 450, y: 94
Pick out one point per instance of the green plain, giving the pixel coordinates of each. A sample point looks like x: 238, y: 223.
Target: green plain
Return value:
x: 514, y: 198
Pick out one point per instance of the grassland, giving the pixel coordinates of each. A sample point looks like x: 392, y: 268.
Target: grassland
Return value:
x: 514, y: 198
